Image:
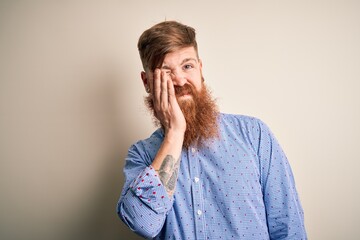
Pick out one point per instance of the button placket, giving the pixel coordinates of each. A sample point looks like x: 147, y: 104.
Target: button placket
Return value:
x: 193, y: 150
x: 197, y: 193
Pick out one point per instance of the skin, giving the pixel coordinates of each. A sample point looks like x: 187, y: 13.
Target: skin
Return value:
x: 179, y: 68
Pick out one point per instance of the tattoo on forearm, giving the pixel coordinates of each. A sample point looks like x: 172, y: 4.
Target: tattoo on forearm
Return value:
x: 168, y: 173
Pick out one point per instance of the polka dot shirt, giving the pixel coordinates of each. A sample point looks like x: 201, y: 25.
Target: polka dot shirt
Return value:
x: 239, y: 186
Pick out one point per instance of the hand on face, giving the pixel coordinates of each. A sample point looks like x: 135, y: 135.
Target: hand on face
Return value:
x: 166, y: 107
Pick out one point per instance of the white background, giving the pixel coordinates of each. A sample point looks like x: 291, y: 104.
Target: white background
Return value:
x: 71, y: 103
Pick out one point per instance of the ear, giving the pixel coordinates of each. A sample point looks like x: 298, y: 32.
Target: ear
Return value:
x: 144, y: 80
x: 200, y: 67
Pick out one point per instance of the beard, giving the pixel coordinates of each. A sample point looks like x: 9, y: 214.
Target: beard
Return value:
x: 200, y: 112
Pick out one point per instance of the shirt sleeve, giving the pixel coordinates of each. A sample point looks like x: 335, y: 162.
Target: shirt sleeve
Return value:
x: 144, y: 202
x: 285, y: 216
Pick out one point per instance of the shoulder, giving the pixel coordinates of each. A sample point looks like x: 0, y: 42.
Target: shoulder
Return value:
x: 243, y: 121
x: 249, y: 128
x: 147, y: 148
x: 153, y: 141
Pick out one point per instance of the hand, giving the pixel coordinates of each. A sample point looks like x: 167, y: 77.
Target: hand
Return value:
x: 167, y: 109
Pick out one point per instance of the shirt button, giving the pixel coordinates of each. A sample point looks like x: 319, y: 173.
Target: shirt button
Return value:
x: 193, y: 150
x: 199, y: 212
x: 196, y: 179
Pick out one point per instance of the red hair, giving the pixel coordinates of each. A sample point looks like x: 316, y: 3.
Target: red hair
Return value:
x: 164, y: 38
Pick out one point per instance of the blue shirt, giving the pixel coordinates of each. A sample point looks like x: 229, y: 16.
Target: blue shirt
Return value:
x: 239, y: 186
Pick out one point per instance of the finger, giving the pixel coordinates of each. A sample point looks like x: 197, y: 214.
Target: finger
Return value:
x: 164, y: 91
x: 171, y: 92
x: 156, y: 87
x: 151, y: 82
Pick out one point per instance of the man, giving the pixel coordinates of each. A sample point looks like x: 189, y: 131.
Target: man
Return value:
x: 203, y: 174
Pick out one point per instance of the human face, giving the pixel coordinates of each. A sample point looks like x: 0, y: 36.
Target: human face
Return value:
x: 184, y: 67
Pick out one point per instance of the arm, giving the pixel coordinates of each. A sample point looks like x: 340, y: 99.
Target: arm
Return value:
x: 167, y: 110
x: 144, y: 202
x: 167, y: 162
x: 285, y: 215
x: 147, y: 195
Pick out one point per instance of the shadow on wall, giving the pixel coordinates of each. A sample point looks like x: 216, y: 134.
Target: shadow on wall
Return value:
x: 99, y: 219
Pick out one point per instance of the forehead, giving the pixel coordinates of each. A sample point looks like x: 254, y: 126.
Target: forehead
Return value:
x: 178, y: 56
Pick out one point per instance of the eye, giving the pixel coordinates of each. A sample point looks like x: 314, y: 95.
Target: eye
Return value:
x: 188, y: 66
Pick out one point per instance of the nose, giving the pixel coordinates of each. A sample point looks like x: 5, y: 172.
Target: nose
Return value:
x: 178, y: 79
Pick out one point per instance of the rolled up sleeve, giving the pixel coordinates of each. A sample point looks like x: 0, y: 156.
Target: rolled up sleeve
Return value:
x: 144, y: 202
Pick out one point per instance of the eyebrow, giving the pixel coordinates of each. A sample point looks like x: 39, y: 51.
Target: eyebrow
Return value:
x: 182, y: 62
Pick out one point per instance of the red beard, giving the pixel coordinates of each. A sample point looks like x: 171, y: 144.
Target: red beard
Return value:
x: 200, y: 113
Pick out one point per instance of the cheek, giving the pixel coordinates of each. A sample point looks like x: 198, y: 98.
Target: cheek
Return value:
x: 199, y: 87
x: 196, y: 81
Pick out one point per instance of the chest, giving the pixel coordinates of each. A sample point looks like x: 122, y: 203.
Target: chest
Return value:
x: 219, y: 169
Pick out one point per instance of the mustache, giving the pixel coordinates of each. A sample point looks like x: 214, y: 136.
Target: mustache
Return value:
x: 183, y: 90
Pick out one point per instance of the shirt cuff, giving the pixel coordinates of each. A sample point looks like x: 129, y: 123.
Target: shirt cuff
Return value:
x: 149, y: 189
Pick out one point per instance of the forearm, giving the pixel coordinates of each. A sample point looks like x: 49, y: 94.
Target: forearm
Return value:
x: 143, y: 207
x: 140, y: 218
x: 167, y: 160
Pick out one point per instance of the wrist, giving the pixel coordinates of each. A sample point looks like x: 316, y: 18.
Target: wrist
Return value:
x: 174, y: 135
